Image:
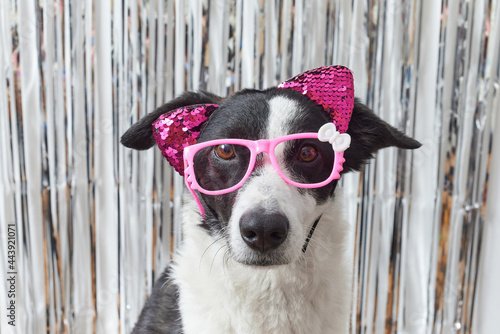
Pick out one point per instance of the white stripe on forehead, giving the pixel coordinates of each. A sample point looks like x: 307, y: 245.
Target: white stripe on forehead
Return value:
x: 281, y: 111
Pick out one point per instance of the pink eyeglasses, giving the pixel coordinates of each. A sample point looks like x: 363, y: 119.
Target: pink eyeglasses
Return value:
x: 229, y: 162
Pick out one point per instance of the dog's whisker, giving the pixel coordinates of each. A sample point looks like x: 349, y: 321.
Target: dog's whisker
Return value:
x: 213, y: 243
x: 318, y: 241
x: 170, y: 282
x: 227, y: 253
x: 215, y: 256
x: 225, y: 261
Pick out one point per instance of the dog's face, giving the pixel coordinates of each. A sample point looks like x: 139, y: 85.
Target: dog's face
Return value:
x: 266, y: 221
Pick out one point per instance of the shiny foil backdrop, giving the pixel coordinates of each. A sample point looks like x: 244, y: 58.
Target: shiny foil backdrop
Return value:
x: 95, y: 223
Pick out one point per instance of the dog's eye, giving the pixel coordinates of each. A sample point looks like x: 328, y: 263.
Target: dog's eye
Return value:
x: 307, y: 153
x: 225, y: 151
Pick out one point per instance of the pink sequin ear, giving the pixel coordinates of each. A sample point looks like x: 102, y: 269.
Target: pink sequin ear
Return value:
x: 332, y: 87
x: 175, y: 130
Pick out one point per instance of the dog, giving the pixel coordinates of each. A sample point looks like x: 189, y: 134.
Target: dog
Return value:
x: 264, y: 235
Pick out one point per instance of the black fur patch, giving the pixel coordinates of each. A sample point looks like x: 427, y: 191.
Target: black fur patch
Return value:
x: 310, y: 119
x: 161, y: 312
x: 369, y: 134
x: 244, y: 116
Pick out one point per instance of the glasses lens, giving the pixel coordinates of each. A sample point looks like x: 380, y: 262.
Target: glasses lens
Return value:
x: 221, y: 167
x: 305, y: 161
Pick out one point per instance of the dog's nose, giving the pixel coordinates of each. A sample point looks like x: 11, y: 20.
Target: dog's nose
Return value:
x: 263, y: 231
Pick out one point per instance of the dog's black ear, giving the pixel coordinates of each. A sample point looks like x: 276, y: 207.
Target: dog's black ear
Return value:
x: 140, y: 135
x: 369, y: 134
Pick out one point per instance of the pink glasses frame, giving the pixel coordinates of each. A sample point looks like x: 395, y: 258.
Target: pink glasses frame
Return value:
x: 256, y: 147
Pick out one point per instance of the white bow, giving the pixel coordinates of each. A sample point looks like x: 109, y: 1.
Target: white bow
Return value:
x: 339, y: 141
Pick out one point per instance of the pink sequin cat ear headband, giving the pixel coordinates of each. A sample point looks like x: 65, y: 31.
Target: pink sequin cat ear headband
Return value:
x: 331, y: 87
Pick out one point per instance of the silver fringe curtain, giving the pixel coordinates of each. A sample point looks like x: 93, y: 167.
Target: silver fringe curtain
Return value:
x: 87, y: 225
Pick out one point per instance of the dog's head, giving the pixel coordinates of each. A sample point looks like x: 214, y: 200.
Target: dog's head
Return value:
x: 265, y: 219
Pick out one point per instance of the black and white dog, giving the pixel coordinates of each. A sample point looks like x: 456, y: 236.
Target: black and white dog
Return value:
x: 243, y: 266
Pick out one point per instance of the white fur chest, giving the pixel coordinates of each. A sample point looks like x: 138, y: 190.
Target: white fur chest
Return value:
x: 219, y: 295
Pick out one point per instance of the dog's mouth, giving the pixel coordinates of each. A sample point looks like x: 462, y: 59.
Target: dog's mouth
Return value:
x: 257, y: 259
